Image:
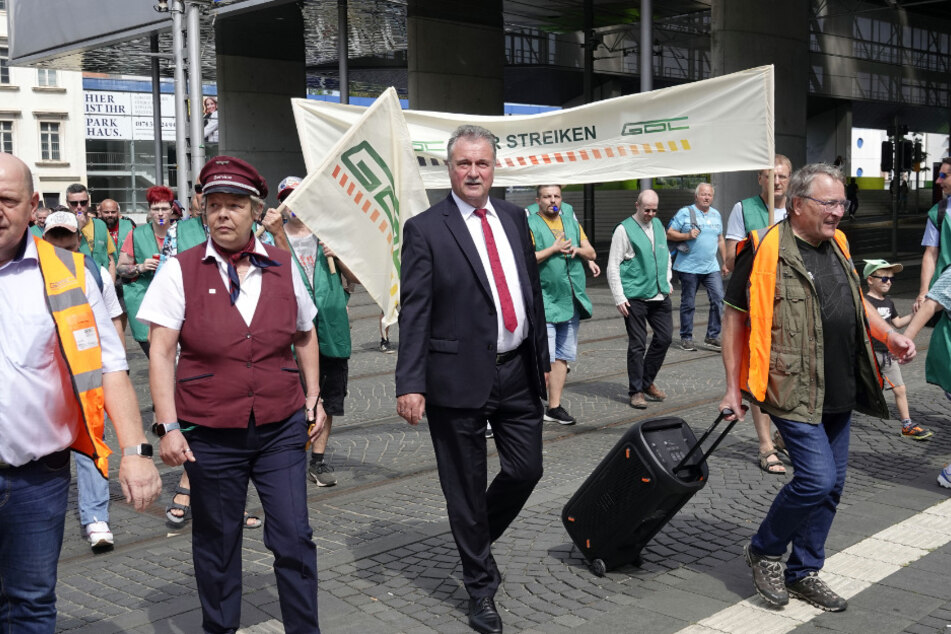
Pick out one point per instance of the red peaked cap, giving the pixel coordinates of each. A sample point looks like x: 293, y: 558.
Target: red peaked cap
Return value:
x: 231, y: 175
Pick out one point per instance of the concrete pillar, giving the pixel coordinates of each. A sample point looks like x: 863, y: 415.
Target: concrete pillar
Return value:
x: 260, y: 68
x: 829, y: 135
x: 749, y: 33
x: 456, y: 56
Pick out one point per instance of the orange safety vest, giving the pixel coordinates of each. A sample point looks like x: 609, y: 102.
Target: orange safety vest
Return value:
x: 64, y: 280
x: 754, y: 362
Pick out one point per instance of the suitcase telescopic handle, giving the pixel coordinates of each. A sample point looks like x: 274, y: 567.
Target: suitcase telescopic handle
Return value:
x: 723, y: 414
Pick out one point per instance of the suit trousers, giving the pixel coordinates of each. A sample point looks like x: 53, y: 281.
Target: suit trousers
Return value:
x: 479, y: 516
x: 272, y: 456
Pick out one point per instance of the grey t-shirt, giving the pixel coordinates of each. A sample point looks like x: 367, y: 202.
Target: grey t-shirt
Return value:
x: 305, y: 247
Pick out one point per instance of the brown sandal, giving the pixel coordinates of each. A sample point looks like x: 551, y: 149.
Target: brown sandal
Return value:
x: 775, y: 466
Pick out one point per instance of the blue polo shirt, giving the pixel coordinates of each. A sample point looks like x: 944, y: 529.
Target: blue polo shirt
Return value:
x: 702, y: 257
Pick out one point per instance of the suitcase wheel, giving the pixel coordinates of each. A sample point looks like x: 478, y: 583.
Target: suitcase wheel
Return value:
x: 598, y: 567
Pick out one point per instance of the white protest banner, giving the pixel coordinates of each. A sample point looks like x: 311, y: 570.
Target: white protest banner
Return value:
x: 358, y: 196
x: 722, y: 124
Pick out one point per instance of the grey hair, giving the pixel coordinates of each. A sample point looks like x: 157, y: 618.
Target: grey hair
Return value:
x: 800, y: 183
x: 257, y: 206
x: 780, y: 159
x: 696, y: 190
x: 472, y: 132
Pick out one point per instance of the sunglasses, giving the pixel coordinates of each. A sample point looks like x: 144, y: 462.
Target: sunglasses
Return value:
x: 942, y: 175
x: 885, y: 278
x: 78, y: 203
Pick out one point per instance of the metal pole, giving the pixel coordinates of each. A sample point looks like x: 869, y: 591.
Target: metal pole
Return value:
x: 181, y: 114
x: 343, y: 50
x: 194, y: 89
x: 156, y: 110
x: 588, y: 75
x: 647, y: 66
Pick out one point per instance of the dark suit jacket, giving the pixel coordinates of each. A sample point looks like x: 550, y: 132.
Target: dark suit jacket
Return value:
x: 448, y: 326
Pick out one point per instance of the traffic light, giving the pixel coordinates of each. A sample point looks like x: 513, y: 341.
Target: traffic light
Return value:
x: 888, y: 151
x: 905, y: 153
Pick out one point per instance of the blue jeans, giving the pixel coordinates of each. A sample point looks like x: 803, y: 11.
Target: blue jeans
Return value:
x: 93, y: 491
x: 563, y: 339
x: 32, y: 511
x: 688, y: 294
x: 803, y: 510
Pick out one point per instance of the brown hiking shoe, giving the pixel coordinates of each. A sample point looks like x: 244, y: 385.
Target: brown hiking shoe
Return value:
x: 654, y: 393
x: 814, y: 591
x: 768, y: 577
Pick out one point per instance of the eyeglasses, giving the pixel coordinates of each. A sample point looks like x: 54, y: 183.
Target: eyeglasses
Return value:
x: 942, y: 175
x: 78, y: 203
x: 830, y: 205
x: 885, y: 278
x: 160, y: 208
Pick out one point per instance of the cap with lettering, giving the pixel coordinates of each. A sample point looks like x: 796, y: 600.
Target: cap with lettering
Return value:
x: 61, y: 219
x: 231, y: 175
x: 286, y: 186
x: 871, y: 266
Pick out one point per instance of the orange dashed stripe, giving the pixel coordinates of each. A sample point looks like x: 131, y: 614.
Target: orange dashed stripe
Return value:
x: 592, y: 154
x: 357, y: 195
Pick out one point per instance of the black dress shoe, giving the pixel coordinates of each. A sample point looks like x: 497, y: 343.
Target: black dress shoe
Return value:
x: 483, y: 617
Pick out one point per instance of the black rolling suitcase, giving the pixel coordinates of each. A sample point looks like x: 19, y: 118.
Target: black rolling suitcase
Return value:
x: 654, y: 469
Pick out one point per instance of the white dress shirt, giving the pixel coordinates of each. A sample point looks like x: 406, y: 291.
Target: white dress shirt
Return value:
x: 38, y: 411
x: 506, y: 340
x: 164, y: 302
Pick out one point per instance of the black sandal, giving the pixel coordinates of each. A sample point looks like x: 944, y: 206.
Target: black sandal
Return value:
x: 178, y: 521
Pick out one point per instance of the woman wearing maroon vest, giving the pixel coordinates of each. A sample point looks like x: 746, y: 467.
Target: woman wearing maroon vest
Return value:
x: 236, y: 307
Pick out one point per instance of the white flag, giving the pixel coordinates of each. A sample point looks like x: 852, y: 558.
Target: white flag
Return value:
x: 360, y: 192
x: 722, y: 124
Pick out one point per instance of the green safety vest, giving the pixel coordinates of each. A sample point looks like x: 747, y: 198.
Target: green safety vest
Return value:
x: 333, y: 322
x: 191, y: 233
x: 937, y: 369
x: 944, y: 244
x: 755, y: 214
x: 35, y: 230
x: 143, y: 241
x: 645, y: 275
x: 100, y: 243
x: 563, y: 278
x: 125, y: 226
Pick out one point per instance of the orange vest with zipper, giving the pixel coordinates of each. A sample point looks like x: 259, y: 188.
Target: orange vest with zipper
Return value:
x: 64, y: 281
x: 754, y: 362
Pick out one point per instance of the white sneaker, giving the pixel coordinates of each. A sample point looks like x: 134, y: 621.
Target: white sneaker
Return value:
x: 99, y: 535
x: 944, y: 478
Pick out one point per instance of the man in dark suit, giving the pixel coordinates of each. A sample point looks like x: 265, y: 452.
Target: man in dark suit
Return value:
x: 473, y: 348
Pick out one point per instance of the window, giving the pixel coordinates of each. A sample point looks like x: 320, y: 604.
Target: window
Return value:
x: 4, y: 65
x: 49, y: 141
x: 45, y: 76
x: 6, y: 137
x: 3, y: 5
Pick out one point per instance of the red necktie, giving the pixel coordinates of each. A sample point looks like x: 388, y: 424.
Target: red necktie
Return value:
x: 505, y: 298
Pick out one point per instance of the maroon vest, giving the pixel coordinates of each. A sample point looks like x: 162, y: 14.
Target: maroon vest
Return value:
x: 227, y: 369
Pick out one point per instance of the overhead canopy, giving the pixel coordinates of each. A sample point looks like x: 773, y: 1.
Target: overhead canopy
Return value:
x: 40, y: 30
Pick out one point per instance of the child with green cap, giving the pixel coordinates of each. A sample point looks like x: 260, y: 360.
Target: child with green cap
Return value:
x: 879, y: 275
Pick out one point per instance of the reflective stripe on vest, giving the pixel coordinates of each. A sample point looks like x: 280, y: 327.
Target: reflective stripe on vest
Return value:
x: 64, y: 277
x: 754, y: 362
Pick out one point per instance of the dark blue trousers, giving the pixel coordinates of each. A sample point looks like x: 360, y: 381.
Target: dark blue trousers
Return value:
x: 272, y: 456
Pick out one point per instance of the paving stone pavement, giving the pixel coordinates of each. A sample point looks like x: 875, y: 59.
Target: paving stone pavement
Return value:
x: 387, y: 561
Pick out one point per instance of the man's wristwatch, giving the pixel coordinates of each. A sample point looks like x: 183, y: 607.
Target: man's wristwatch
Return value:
x: 143, y: 449
x: 160, y: 429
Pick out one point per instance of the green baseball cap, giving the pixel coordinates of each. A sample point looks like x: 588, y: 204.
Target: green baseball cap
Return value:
x: 876, y: 265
